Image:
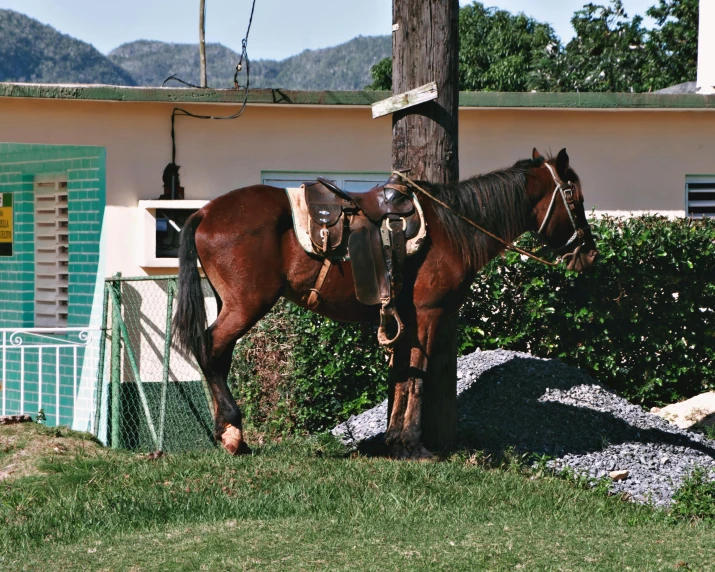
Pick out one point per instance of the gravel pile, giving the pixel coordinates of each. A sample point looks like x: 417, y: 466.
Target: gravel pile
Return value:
x: 510, y: 399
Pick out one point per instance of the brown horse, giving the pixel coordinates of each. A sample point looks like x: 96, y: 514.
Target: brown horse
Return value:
x: 248, y: 249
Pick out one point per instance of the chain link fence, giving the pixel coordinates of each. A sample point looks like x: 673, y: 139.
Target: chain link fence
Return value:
x: 153, y: 394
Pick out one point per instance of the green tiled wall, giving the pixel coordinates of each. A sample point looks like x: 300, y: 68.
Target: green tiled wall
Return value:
x: 84, y: 168
x: 17, y: 274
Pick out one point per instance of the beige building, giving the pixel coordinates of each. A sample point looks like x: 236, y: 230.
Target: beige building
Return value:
x: 81, y: 165
x: 634, y: 152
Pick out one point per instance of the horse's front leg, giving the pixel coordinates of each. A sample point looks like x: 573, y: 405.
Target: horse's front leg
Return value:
x: 404, y: 433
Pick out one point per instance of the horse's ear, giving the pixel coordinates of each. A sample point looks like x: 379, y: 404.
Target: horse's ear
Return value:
x: 535, y: 155
x: 562, y: 164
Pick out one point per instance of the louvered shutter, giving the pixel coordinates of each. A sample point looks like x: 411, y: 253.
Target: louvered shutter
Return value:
x: 51, y: 254
x: 700, y: 196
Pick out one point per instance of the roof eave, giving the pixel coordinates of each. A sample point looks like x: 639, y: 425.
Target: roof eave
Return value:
x: 187, y: 96
x: 275, y: 96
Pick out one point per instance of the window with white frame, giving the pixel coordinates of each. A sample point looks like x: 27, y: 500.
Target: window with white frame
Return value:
x: 700, y: 196
x: 51, y: 254
x: 346, y: 181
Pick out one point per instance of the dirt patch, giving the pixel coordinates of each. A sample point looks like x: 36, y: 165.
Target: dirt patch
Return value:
x: 25, y: 446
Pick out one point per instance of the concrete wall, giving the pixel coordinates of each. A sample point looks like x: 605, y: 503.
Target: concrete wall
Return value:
x: 627, y: 159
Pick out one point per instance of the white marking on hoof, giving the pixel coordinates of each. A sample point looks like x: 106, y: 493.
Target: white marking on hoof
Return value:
x: 232, y: 440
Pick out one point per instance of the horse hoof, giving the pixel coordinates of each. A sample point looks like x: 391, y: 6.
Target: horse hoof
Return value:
x: 418, y: 453
x: 232, y: 441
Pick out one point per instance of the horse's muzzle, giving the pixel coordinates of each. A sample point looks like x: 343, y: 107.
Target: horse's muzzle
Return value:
x: 580, y: 261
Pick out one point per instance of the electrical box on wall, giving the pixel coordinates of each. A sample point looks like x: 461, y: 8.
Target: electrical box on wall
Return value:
x: 161, y: 222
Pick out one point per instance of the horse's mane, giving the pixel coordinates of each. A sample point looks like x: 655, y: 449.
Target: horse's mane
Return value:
x: 497, y: 201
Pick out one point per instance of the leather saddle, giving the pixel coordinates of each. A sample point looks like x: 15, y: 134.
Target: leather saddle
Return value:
x: 372, y: 229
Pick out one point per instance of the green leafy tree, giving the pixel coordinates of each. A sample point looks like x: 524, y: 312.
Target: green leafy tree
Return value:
x: 673, y: 45
x: 611, y: 52
x: 608, y: 52
x: 500, y: 51
x: 381, y: 74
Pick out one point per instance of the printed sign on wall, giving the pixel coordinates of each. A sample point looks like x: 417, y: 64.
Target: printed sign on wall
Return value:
x: 6, y: 226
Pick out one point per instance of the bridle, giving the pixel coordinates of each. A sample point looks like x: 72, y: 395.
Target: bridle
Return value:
x: 566, y: 192
x: 560, y: 188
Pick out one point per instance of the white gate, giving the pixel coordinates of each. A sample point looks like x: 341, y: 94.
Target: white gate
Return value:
x: 41, y: 370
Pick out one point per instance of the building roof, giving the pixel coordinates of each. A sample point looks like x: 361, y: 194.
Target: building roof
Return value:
x: 467, y: 99
x: 687, y: 87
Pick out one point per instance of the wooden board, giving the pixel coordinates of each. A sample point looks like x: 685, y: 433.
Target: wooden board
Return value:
x: 424, y: 93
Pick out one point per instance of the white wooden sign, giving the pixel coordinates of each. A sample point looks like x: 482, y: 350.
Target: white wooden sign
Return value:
x: 416, y: 96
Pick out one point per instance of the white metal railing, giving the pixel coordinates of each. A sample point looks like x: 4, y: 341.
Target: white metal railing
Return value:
x: 57, y: 354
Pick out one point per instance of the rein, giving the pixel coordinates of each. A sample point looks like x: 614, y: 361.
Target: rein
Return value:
x: 508, y: 245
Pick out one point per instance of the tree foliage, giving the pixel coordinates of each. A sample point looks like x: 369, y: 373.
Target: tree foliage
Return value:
x: 673, y: 44
x: 610, y: 51
x: 381, y: 74
x: 500, y: 51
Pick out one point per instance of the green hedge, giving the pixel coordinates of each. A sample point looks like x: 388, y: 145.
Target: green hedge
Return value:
x: 297, y: 371
x: 642, y: 321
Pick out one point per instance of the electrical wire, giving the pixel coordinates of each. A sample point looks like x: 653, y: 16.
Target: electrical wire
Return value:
x: 176, y: 78
x: 178, y: 111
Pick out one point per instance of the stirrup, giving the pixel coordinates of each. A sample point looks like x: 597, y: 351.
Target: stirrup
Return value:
x: 389, y: 310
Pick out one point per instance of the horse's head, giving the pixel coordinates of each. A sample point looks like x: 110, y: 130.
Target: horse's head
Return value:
x: 559, y: 216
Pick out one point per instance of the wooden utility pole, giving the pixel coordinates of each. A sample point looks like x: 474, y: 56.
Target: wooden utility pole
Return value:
x: 202, y: 42
x: 425, y: 46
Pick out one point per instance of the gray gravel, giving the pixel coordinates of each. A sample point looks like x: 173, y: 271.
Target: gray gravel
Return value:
x: 510, y: 399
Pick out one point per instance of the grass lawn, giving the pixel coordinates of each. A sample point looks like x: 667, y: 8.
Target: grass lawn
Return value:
x: 296, y: 506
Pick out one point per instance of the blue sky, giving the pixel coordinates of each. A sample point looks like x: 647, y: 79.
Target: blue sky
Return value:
x: 281, y: 28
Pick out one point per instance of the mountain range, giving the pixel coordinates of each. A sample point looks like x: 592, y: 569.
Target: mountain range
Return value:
x: 37, y: 53
x: 34, y: 52
x: 342, y: 67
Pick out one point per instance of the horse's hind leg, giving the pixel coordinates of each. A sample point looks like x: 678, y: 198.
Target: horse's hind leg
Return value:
x: 228, y: 422
x: 229, y: 327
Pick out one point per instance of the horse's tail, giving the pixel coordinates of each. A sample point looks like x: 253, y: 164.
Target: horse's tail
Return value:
x: 190, y: 324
